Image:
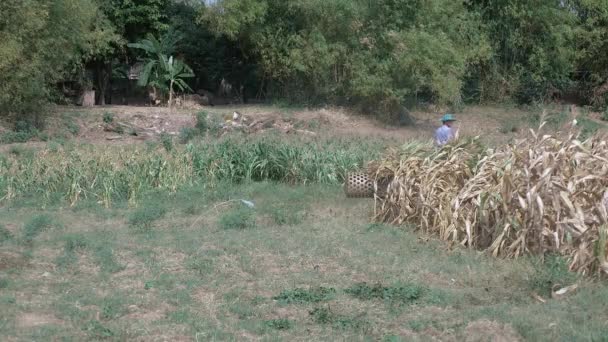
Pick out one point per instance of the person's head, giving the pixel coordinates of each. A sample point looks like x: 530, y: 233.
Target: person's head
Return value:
x: 448, y: 120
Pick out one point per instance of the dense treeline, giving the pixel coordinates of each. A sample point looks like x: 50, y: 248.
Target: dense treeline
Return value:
x: 375, y: 55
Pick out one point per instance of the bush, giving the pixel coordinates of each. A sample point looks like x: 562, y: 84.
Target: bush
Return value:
x: 286, y: 215
x: 402, y: 294
x: 186, y: 134
x: 554, y: 271
x: 108, y: 117
x: 202, y: 123
x: 303, y: 296
x: 167, y: 141
x: 36, y: 225
x: 279, y: 324
x: 145, y: 216
x: 239, y: 218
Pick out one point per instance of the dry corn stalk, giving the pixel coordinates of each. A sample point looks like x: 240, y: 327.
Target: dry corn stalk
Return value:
x: 539, y: 195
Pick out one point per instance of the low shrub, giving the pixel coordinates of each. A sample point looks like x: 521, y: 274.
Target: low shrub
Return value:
x: 238, y: 218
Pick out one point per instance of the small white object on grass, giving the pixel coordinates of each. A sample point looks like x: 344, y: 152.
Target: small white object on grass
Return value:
x: 248, y: 203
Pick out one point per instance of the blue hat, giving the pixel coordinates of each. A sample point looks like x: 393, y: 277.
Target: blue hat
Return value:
x: 448, y: 117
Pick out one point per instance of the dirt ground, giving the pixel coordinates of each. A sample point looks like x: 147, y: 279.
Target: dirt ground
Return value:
x: 152, y: 121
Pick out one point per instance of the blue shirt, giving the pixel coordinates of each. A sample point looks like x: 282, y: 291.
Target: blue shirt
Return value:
x: 443, y: 134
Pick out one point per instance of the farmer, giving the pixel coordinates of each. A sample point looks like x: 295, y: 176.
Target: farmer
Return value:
x: 446, y: 132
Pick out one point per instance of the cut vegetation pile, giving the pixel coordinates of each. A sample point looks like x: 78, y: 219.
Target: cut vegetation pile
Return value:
x: 544, y: 194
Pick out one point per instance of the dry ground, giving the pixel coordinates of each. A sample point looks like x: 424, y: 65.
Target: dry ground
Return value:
x: 494, y: 124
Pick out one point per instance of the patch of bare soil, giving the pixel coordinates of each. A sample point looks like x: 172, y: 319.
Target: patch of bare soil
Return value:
x: 32, y: 320
x: 486, y: 330
x: 10, y: 260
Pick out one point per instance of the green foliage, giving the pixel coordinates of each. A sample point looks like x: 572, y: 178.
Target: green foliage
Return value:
x: 402, y: 294
x: 553, y: 271
x: 375, y: 62
x: 55, y: 36
x: 146, y: 215
x: 202, y: 121
x: 104, y: 255
x: 167, y: 141
x: 186, y: 134
x: 97, y: 330
x: 327, y: 316
x: 286, y: 214
x: 5, y: 234
x: 303, y: 296
x: 37, y: 225
x: 127, y: 173
x: 72, y: 244
x: 279, y: 324
x: 237, y: 218
x: 108, y: 117
x: 161, y: 69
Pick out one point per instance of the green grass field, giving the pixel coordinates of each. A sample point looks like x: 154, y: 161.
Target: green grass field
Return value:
x: 303, y: 264
x: 154, y: 242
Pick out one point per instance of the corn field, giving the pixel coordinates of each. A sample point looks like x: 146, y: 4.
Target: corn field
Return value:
x: 543, y: 194
x: 125, y: 173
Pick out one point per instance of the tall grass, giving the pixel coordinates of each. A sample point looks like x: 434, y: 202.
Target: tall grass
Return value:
x: 110, y: 173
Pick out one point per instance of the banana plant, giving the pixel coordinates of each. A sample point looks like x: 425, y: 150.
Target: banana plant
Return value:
x: 161, y: 70
x: 174, y: 72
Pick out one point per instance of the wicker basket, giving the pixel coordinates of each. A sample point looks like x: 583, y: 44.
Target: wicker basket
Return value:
x: 359, y: 185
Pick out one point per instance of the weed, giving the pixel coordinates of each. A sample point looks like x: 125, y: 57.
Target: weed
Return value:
x: 97, y: 330
x: 167, y: 141
x: 242, y: 310
x: 20, y: 151
x: 146, y: 215
x: 37, y: 225
x: 200, y: 264
x: 72, y: 127
x: 113, y: 307
x: 326, y: 316
x: 104, y: 256
x: 108, y: 117
x: 72, y: 244
x: 180, y: 316
x: 186, y: 134
x: 279, y: 324
x: 554, y: 271
x: 214, y: 124
x: 285, y: 215
x: 202, y: 122
x: 302, y: 296
x: 588, y: 127
x: 5, y: 234
x: 11, y: 137
x: 4, y: 283
x: 163, y: 282
x: 510, y: 125
x: 238, y: 218
x: 404, y: 294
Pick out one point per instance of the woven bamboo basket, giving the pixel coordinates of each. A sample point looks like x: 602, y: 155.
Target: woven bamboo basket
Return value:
x: 359, y: 185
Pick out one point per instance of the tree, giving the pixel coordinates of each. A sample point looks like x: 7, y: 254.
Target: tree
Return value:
x: 371, y: 54
x: 161, y: 71
x: 131, y: 20
x: 43, y: 42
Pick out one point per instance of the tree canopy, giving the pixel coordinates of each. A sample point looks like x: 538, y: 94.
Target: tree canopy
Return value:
x: 372, y: 55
